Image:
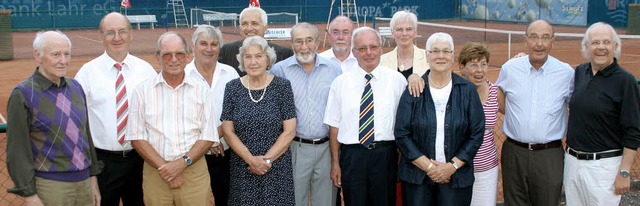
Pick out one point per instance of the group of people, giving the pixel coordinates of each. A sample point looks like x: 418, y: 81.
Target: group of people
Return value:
x: 261, y: 124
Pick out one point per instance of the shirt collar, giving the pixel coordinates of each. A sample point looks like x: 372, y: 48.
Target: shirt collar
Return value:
x: 159, y: 80
x: 293, y: 62
x: 46, y: 83
x: 110, y: 61
x: 607, y: 70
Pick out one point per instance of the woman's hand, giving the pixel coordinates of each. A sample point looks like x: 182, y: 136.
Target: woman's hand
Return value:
x: 441, y: 172
x: 259, y: 165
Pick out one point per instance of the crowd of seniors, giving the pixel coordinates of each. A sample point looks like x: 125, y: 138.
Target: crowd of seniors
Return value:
x: 256, y: 123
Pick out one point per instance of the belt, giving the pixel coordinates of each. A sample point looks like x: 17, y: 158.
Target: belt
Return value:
x: 533, y: 147
x: 373, y: 145
x: 593, y: 156
x: 311, y: 141
x: 125, y: 153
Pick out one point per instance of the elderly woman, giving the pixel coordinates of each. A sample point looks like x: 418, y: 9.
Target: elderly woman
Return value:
x: 407, y: 58
x: 474, y: 61
x: 439, y: 133
x: 259, y: 122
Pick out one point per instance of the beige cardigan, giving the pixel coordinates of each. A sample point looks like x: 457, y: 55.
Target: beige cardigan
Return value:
x: 420, y: 65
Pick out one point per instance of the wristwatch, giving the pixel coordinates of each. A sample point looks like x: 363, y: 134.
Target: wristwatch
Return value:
x: 187, y: 160
x: 455, y: 165
x: 624, y: 173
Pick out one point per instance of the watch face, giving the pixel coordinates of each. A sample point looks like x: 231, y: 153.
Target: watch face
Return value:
x: 624, y: 173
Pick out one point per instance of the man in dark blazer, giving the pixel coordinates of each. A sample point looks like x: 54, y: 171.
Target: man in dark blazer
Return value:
x: 253, y: 22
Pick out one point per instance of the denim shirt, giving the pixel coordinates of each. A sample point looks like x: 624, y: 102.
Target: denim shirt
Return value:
x: 415, y: 131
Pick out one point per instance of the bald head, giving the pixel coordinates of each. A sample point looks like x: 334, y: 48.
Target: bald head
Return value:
x: 537, y: 24
x: 114, y: 17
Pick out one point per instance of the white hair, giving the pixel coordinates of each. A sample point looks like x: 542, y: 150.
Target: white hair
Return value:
x: 256, y: 41
x: 406, y: 16
x: 439, y: 37
x: 615, y: 37
x: 263, y: 14
x: 361, y: 29
x: 209, y: 31
x: 39, y: 41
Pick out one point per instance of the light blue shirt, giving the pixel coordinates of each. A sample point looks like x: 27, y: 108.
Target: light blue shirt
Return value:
x: 536, y: 100
x: 310, y: 93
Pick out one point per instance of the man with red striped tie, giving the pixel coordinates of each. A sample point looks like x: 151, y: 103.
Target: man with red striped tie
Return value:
x: 108, y: 82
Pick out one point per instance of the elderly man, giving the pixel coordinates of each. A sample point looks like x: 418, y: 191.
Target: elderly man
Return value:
x: 536, y: 89
x: 172, y: 126
x: 106, y: 80
x: 604, y: 126
x: 47, y: 112
x: 205, y: 68
x: 340, y: 30
x: 363, y: 150
x: 253, y: 22
x: 310, y: 76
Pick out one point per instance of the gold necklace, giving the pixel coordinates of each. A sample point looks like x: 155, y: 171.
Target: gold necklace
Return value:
x: 434, y: 85
x: 401, y: 67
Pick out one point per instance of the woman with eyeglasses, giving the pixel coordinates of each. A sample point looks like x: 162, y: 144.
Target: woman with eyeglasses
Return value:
x: 474, y: 61
x: 259, y: 121
x: 406, y: 58
x: 439, y: 133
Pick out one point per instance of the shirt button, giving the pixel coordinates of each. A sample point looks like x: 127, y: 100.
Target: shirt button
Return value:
x: 446, y: 125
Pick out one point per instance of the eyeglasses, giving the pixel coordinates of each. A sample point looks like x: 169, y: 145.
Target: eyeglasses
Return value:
x: 338, y: 33
x: 300, y: 42
x: 475, y: 66
x: 534, y: 38
x: 178, y: 55
x: 438, y: 52
x: 598, y: 43
x: 364, y: 49
x: 113, y: 33
x: 401, y: 29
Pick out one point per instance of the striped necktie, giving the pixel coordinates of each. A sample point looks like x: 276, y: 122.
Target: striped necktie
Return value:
x: 366, y: 131
x: 122, y: 104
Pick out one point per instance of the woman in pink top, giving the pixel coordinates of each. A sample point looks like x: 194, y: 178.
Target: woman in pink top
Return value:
x: 474, y: 61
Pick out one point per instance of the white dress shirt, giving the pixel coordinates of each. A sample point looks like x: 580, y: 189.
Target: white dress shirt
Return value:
x: 343, y: 105
x: 98, y: 80
x: 221, y: 75
x: 348, y: 65
x: 536, y: 100
x: 172, y: 119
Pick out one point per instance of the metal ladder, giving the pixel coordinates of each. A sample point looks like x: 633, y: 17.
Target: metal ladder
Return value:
x: 179, y: 15
x: 348, y: 8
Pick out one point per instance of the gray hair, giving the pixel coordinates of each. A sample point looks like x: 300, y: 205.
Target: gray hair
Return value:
x: 439, y: 37
x: 340, y: 18
x: 263, y: 14
x: 305, y: 25
x: 168, y: 35
x: 406, y: 16
x: 209, y: 31
x: 256, y: 41
x: 616, y: 39
x: 357, y: 31
x: 41, y: 36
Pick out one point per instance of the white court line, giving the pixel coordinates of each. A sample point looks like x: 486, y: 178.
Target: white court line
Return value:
x: 2, y: 118
x: 93, y: 40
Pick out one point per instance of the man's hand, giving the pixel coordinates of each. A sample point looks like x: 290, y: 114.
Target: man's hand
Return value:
x: 336, y: 175
x: 33, y: 200
x: 171, y: 170
x: 622, y: 184
x: 416, y: 85
x: 441, y: 173
x: 176, y: 183
x: 217, y: 149
x: 95, y: 190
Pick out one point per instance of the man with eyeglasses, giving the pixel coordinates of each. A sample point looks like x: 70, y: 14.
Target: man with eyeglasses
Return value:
x: 604, y: 125
x: 310, y: 76
x: 534, y: 92
x: 340, y: 30
x: 361, y: 111
x: 253, y: 22
x: 172, y: 126
x: 107, y: 82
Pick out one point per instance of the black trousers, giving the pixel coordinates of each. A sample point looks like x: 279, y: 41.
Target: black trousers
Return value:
x: 121, y: 178
x: 219, y: 175
x: 369, y: 175
x: 436, y: 194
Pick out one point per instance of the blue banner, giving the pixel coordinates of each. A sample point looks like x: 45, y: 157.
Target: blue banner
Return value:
x: 564, y: 12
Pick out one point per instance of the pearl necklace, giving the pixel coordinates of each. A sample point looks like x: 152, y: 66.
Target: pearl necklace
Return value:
x: 249, y: 90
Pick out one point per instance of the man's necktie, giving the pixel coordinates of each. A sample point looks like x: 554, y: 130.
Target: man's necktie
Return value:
x: 366, y: 131
x: 122, y: 104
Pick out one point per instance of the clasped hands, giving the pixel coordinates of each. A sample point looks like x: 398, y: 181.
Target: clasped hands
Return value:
x: 440, y: 172
x: 259, y: 165
x: 171, y: 173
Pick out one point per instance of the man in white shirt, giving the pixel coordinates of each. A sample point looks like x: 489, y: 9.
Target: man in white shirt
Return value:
x: 361, y: 112
x: 534, y: 97
x: 205, y: 67
x: 172, y: 125
x: 340, y: 30
x: 121, y: 177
